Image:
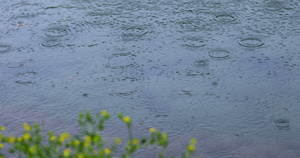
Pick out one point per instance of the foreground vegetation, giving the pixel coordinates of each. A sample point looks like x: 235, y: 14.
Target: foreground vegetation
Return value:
x: 88, y: 145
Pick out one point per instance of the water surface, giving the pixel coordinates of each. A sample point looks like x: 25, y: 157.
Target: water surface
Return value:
x: 223, y: 71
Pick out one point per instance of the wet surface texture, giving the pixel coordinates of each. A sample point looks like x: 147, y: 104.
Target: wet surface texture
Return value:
x: 223, y: 71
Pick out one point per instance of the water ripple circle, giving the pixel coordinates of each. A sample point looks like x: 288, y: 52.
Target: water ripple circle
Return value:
x: 195, y: 42
x: 132, y: 33
x: 224, y: 18
x: 219, y: 53
x: 51, y: 43
x: 274, y: 6
x: 57, y: 31
x: 4, y: 48
x: 251, y: 42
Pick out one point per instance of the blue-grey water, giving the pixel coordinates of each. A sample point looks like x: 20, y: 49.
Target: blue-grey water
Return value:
x: 226, y: 72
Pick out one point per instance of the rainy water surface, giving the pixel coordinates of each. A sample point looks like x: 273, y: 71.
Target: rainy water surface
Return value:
x: 226, y: 72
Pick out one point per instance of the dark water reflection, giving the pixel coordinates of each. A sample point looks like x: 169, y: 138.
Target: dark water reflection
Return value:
x: 223, y: 71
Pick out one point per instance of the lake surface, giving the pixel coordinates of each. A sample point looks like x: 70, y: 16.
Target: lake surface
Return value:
x: 226, y: 72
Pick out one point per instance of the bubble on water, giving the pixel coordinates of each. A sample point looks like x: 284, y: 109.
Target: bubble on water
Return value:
x: 57, y: 31
x: 224, y: 18
x: 219, y: 53
x: 4, y: 48
x: 251, y: 42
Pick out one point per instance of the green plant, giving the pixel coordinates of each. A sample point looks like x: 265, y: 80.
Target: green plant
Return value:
x: 89, y: 144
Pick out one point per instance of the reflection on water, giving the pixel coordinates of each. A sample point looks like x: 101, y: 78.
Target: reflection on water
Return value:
x: 223, y: 71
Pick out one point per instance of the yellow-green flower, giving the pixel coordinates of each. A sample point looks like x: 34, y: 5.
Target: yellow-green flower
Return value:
x: 31, y: 150
x: 62, y: 139
x: 2, y: 128
x: 164, y: 136
x: 88, y: 139
x: 27, y: 127
x: 11, y: 139
x: 26, y: 136
x: 152, y: 130
x: 1, y: 145
x: 65, y: 135
x: 193, y: 141
x: 76, y: 142
x: 52, y: 138
x: 126, y: 119
x: 67, y: 152
x: 106, y: 151
x: 86, y: 144
x: 118, y: 141
x: 135, y: 141
x: 104, y: 113
x: 191, y: 147
x: 81, y: 155
x: 19, y: 139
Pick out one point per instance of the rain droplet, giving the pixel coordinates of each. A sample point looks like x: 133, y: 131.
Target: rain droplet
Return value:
x: 221, y: 54
x: 251, y: 42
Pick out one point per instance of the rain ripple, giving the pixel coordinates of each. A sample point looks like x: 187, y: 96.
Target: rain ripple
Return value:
x: 194, y: 42
x: 225, y: 18
x: 251, y: 42
x: 4, y: 48
x: 274, y: 6
x: 282, y: 124
x: 25, y: 78
x: 25, y: 10
x: 134, y: 32
x: 219, y: 54
x: 51, y: 42
x: 57, y: 31
x: 55, y: 35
